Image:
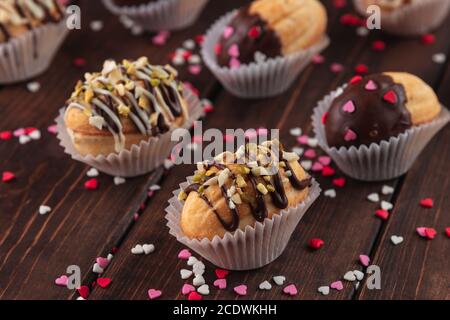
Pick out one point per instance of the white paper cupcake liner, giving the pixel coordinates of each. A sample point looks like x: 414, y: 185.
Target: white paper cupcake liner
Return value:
x: 138, y: 160
x: 243, y: 250
x: 161, y: 15
x: 256, y: 80
x: 380, y: 161
x: 414, y: 19
x: 30, y: 54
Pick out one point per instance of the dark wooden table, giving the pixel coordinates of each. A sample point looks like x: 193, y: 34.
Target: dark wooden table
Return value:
x: 36, y: 249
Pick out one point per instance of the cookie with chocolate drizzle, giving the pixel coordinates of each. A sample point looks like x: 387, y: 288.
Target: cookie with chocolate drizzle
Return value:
x: 123, y: 105
x: 237, y: 190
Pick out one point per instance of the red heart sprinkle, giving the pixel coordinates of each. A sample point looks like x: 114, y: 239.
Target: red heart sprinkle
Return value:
x: 79, y: 62
x: 91, y: 184
x: 430, y: 233
x: 339, y: 3
x: 427, y: 203
x: 103, y: 282
x: 390, y: 97
x: 361, y: 69
x: 355, y: 79
x: 199, y: 38
x: 378, y: 45
x: 350, y: 20
x: 324, y: 117
x: 428, y: 39
x: 29, y: 130
x: 218, y: 49
x: 8, y: 176
x: 254, y: 32
x: 316, y: 243
x: 328, y: 171
x: 447, y: 231
x: 383, y: 214
x: 221, y: 274
x: 339, y: 182
x: 6, y: 135
x: 187, y: 55
x: 194, y: 296
x: 83, y: 291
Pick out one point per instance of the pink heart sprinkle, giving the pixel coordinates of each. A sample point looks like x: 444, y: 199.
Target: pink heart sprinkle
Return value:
x: 336, y: 67
x: 290, y: 290
x: 262, y: 131
x: 62, y: 281
x: 303, y: 139
x: 318, y: 59
x: 310, y: 153
x: 349, y: 107
x: 184, y: 254
x: 187, y: 288
x: 234, y: 63
x: 241, y: 290
x: 364, y: 259
x: 234, y: 51
x: 350, y: 135
x: 102, y: 262
x: 317, y: 166
x: 422, y: 231
x: 19, y: 132
x: 337, y: 285
x: 159, y: 40
x: 371, y: 86
x: 221, y: 283
x: 154, y: 294
x: 195, y: 69
x: 228, y: 32
x: 325, y: 160
x: 52, y: 129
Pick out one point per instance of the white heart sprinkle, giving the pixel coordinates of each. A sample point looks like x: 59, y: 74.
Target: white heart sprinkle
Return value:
x: 373, y: 197
x: 97, y: 269
x: 439, y: 58
x: 192, y: 260
x: 385, y: 205
x: 24, y: 139
x: 362, y: 31
x: 185, y: 274
x: 203, y: 290
x: 136, y: 30
x: 396, y: 239
x: 81, y: 298
x: 279, y: 280
x: 35, y: 134
x: 168, y: 164
x: 325, y: 290
x: 306, y: 164
x: 265, y: 285
x: 137, y: 249
x: 358, y: 274
x: 109, y: 257
x: 33, y: 86
x: 189, y: 44
x: 299, y: 151
x: 296, y: 132
x: 387, y: 190
x: 331, y: 193
x: 44, y: 209
x: 313, y: 142
x: 119, y: 180
x: 148, y: 248
x: 350, y: 276
x: 195, y: 59
x: 154, y: 187
x: 92, y: 173
x: 178, y: 60
x: 198, y: 280
x: 198, y: 268
x: 96, y: 25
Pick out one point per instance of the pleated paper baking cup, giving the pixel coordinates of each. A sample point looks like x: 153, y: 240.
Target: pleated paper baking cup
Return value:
x: 416, y: 18
x: 252, y: 248
x: 162, y: 14
x: 30, y: 54
x: 380, y: 161
x: 256, y: 80
x: 138, y: 160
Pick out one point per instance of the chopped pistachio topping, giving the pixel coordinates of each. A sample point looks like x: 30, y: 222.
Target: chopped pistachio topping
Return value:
x: 262, y: 188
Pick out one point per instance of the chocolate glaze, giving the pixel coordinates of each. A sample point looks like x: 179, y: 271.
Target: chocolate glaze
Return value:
x: 267, y: 42
x: 374, y: 119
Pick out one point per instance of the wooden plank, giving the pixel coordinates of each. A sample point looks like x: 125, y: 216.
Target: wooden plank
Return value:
x: 83, y: 225
x: 418, y: 268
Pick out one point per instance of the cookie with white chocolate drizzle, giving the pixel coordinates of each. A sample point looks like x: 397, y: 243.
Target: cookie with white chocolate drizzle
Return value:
x: 237, y: 190
x: 124, y: 104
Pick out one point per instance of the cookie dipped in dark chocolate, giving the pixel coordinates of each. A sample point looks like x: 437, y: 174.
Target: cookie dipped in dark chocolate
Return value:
x: 369, y: 110
x: 245, y: 35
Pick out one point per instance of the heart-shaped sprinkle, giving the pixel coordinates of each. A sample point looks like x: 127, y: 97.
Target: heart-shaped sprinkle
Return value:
x: 371, y: 86
x: 337, y: 285
x: 428, y: 38
x: 303, y: 139
x: 234, y: 63
x: 24, y: 139
x: 390, y: 97
x: 279, y: 280
x: 447, y: 231
x: 373, y: 197
x: 330, y: 193
x: 428, y: 233
x: 195, y: 69
x: 187, y: 288
x: 137, y: 249
x: 317, y: 166
x: 316, y: 243
x: 228, y: 32
x: 104, y: 282
x: 328, y: 171
x: 324, y: 118
x: 439, y: 58
x: 313, y: 142
x: 241, y: 290
x: 325, y: 160
x: 8, y: 176
x: 91, y: 184
x: 97, y: 269
x: 217, y: 49
x: 296, y: 132
x: 198, y: 280
x: 361, y: 68
x: 382, y: 214
x: 185, y: 274
x: 194, y: 296
x: 44, y: 209
x: 350, y: 135
x: 325, y: 290
x: 290, y: 290
x: 154, y: 294
x: 364, y: 259
x: 198, y: 268
x: 221, y: 274
x: 378, y: 45
x: 349, y: 276
x: 349, y: 107
x: 84, y: 291
x: 396, y: 239
x: 299, y: 151
x: 427, y: 203
x: 62, y: 281
x: 318, y: 59
x: 265, y: 285
x: 119, y: 180
x: 339, y: 182
x: 336, y: 67
x: 220, y: 283
x: 254, y: 32
x: 92, y: 173
x: 35, y: 135
x: 33, y: 86
x: 192, y: 260
x: 184, y: 254
x: 306, y: 164
x: 6, y: 135
x: 310, y: 153
x: 102, y: 262
x: 358, y: 274
x: 233, y: 51
x: 385, y: 205
x: 355, y: 80
x: 387, y: 190
x: 148, y: 248
x: 203, y: 290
